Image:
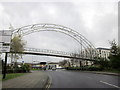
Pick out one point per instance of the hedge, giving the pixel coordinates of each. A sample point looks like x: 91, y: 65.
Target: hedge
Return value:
x: 86, y: 68
x: 23, y: 69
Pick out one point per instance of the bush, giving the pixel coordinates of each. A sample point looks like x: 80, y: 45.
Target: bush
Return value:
x: 86, y: 68
x: 25, y: 67
x: 95, y: 68
x: 9, y: 71
x: 19, y: 70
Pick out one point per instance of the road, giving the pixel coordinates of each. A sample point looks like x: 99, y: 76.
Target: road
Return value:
x: 79, y: 79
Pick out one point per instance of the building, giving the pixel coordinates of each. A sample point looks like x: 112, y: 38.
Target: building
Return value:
x: 79, y: 63
x: 35, y: 66
x: 103, y: 53
x: 40, y: 65
x: 43, y: 64
x: 52, y: 66
x: 100, y: 52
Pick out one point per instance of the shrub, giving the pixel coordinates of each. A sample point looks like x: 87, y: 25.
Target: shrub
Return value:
x: 9, y: 71
x: 86, y: 68
x: 94, y: 68
x: 25, y: 67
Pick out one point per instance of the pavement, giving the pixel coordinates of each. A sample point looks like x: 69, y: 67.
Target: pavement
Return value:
x: 0, y: 81
x: 74, y: 79
x: 0, y: 85
x: 36, y: 79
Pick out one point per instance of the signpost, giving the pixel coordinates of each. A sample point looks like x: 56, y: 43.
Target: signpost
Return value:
x: 5, y: 40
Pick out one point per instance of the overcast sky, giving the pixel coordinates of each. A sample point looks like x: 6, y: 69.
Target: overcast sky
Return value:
x: 97, y: 21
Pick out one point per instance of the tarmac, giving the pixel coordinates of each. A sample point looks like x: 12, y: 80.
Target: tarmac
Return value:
x: 106, y: 73
x: 35, y: 79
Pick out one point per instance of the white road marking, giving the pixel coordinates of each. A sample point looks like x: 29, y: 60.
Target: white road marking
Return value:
x: 49, y: 83
x: 89, y: 77
x: 48, y: 86
x: 109, y: 84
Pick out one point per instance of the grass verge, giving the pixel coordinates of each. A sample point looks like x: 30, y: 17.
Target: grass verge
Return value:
x: 34, y: 69
x: 13, y: 75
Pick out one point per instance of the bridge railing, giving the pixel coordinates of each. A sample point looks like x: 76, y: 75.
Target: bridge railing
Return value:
x: 47, y: 51
x: 54, y: 52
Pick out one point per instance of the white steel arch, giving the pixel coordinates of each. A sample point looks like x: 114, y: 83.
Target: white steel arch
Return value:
x: 86, y: 46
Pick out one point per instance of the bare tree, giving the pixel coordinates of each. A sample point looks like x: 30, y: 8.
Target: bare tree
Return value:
x: 63, y: 63
x: 17, y: 45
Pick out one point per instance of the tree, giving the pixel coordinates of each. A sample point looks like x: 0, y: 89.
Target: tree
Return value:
x: 17, y: 45
x: 25, y: 67
x: 0, y: 62
x: 114, y: 55
x: 63, y: 63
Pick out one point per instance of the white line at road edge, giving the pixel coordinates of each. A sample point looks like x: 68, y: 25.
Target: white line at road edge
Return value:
x: 109, y: 84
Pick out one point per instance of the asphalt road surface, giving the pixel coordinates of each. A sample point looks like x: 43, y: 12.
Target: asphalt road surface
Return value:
x: 79, y: 79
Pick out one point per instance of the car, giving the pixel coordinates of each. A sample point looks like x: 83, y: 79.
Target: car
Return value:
x: 53, y: 68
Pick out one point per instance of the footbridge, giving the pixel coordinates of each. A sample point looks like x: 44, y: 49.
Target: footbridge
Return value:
x: 46, y: 52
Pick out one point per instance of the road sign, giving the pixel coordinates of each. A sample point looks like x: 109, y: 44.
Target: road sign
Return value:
x: 5, y: 40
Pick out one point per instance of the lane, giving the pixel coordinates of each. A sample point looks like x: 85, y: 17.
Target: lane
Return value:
x: 101, y: 77
x: 77, y: 79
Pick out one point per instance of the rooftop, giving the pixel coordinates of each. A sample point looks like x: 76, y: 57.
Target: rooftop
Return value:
x: 104, y: 48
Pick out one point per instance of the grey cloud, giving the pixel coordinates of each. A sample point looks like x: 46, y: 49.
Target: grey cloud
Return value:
x: 73, y: 15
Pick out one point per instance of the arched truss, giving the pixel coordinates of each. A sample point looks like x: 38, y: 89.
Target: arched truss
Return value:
x: 86, y: 46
